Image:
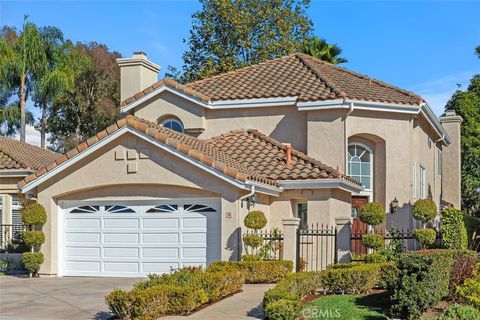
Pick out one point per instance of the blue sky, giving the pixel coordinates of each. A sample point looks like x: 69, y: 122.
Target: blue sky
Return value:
x: 423, y: 46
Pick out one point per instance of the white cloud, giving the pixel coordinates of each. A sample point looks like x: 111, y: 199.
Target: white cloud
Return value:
x: 438, y: 91
x: 32, y: 136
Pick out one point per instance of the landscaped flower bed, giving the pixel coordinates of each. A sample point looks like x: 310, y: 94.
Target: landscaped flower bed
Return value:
x: 256, y: 271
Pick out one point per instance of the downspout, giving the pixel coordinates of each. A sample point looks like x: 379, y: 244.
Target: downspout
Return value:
x: 251, y: 193
x: 436, y: 171
x: 345, y: 144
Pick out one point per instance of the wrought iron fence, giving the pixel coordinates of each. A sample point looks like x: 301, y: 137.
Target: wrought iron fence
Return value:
x: 272, y: 247
x: 11, y: 237
x: 316, y: 247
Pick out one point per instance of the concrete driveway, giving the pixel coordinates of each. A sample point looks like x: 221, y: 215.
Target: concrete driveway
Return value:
x: 57, y: 298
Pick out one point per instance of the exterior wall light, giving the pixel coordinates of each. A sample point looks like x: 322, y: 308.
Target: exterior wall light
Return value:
x: 394, y: 206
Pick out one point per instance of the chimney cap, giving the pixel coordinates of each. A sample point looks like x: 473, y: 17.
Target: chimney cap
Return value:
x: 450, y: 113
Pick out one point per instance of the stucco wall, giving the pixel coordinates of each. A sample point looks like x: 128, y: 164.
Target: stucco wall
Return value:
x: 100, y: 176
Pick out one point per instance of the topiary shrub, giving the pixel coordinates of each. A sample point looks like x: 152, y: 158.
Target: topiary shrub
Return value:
x: 32, y: 261
x: 424, y: 210
x: 34, y: 214
x: 426, y: 237
x: 375, y: 258
x: 33, y: 238
x: 372, y: 214
x: 255, y: 220
x: 373, y: 240
x: 253, y: 240
x: 454, y: 233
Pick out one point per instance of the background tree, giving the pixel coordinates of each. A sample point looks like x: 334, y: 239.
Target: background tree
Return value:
x: 319, y: 48
x: 21, y: 57
x: 467, y: 105
x: 230, y: 34
x: 477, y: 51
x: 91, y: 103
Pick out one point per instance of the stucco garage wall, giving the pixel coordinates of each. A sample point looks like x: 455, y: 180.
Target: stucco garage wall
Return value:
x: 162, y: 175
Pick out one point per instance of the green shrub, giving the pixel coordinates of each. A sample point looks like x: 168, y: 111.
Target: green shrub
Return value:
x: 375, y: 258
x: 470, y: 289
x: 255, y: 220
x: 373, y: 240
x: 473, y: 231
x: 356, y: 280
x: 31, y: 261
x: 221, y: 284
x: 33, y: 239
x: 251, y: 257
x: 34, y: 214
x: 463, y: 263
x: 424, y: 210
x: 372, y: 214
x: 454, y: 233
x: 252, y: 240
x: 388, y: 275
x: 256, y: 271
x: 283, y: 309
x: 426, y: 237
x: 459, y: 312
x: 423, y: 281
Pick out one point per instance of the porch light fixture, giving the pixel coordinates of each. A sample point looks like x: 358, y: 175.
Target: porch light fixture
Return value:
x: 250, y: 201
x: 394, y: 206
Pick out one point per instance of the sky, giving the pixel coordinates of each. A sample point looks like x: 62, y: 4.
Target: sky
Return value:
x: 423, y: 46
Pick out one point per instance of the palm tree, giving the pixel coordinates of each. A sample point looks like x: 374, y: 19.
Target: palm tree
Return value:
x: 20, y: 59
x: 319, y: 48
x: 477, y: 51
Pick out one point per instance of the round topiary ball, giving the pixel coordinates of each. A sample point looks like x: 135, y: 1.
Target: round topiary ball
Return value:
x: 426, y: 237
x: 424, y: 210
x: 373, y: 240
x: 372, y: 214
x: 255, y: 220
x: 33, y: 239
x: 34, y: 214
x: 253, y: 240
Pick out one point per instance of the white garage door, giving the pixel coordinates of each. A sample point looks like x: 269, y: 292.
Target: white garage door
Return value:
x: 131, y: 240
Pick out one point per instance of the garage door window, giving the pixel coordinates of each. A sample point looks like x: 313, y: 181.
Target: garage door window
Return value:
x: 118, y: 209
x: 163, y: 208
x: 86, y: 209
x: 198, y: 208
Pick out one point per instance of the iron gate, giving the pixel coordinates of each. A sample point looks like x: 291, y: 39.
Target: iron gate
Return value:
x: 316, y: 248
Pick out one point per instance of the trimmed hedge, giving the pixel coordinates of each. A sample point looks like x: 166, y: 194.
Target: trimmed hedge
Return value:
x: 171, y: 294
x: 454, y: 233
x: 284, y: 301
x: 256, y: 271
x: 373, y: 240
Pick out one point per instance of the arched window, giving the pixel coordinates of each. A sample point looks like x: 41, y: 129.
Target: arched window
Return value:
x: 174, y: 124
x: 360, y: 164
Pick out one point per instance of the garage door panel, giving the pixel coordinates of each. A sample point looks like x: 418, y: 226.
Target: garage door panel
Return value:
x: 121, y: 252
x: 160, y: 223
x: 160, y: 253
x: 126, y: 223
x: 124, y: 240
x: 84, y: 252
x: 121, y: 266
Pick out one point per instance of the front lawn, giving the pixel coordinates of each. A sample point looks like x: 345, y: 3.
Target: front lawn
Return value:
x: 348, y: 307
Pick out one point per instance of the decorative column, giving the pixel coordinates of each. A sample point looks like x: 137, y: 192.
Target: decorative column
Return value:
x: 343, y: 247
x: 290, y: 227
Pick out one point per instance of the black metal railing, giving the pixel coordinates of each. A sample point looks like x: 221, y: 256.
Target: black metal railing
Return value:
x: 272, y: 247
x: 316, y: 247
x: 11, y: 237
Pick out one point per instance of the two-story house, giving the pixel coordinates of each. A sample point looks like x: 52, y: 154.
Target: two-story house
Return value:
x: 169, y: 184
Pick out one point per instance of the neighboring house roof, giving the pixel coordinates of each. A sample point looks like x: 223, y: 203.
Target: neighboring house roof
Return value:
x: 15, y: 154
x: 298, y: 75
x: 267, y: 157
x: 263, y: 166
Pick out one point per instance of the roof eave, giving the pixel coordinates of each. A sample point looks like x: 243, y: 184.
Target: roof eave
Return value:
x: 336, y: 183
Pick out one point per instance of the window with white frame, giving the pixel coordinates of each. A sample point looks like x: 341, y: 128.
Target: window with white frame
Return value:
x: 360, y: 164
x: 16, y: 211
x: 302, y: 214
x: 174, y: 124
x: 414, y: 180
x: 439, y: 162
x: 422, y: 185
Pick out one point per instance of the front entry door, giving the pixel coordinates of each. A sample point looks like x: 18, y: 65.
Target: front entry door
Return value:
x: 358, y: 227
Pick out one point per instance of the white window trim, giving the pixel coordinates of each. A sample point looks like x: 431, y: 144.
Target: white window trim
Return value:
x: 414, y: 182
x: 439, y: 162
x: 371, y: 163
x: 423, y: 178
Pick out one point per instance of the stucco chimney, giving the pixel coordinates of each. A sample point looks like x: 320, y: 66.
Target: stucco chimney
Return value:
x: 288, y: 154
x: 451, y: 159
x: 136, y: 74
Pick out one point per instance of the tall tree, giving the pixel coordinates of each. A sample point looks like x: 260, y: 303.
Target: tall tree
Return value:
x: 91, y: 103
x: 467, y: 104
x: 228, y: 34
x: 319, y: 48
x: 21, y: 57
x: 477, y: 51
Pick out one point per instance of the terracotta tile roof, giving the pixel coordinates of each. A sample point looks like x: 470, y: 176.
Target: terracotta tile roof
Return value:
x: 193, y: 147
x: 267, y: 156
x: 298, y: 75
x: 242, y: 155
x: 19, y: 155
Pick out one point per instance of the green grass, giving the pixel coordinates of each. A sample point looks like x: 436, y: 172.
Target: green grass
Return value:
x: 348, y: 307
